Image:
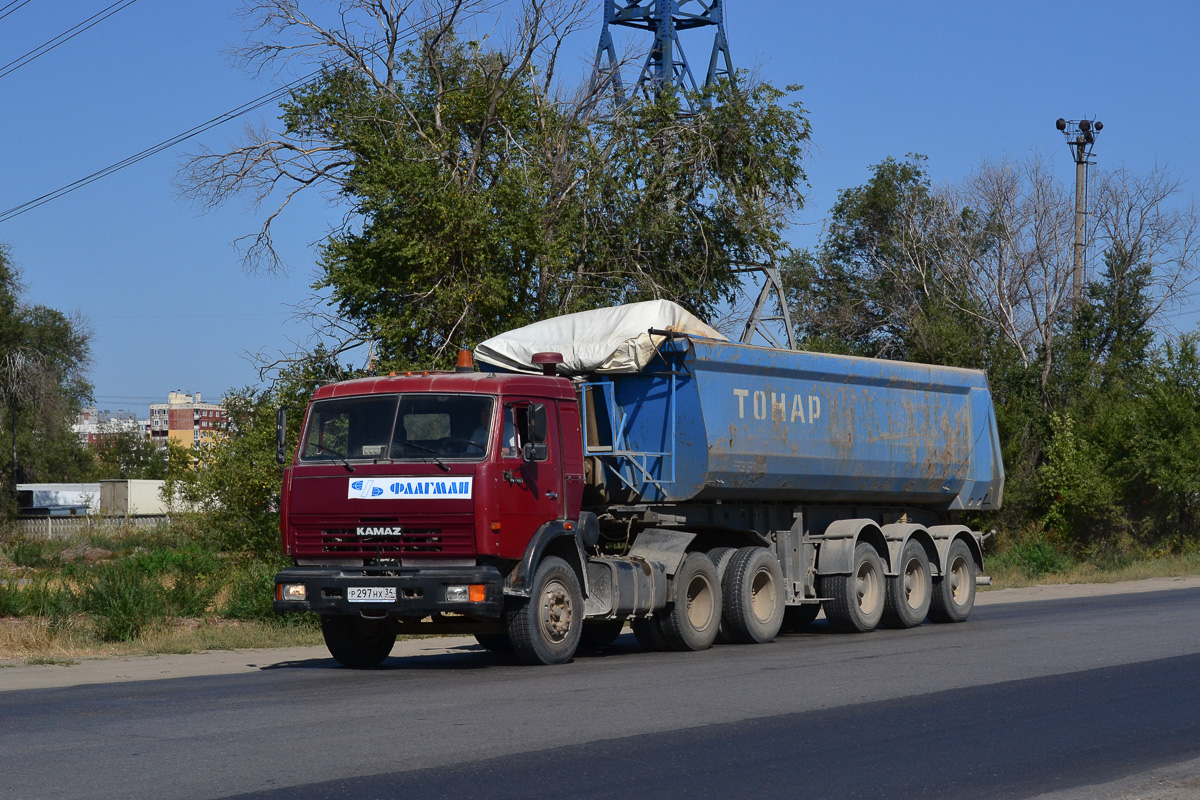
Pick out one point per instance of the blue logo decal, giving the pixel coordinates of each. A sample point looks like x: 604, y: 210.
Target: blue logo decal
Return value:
x: 376, y: 491
x: 356, y: 486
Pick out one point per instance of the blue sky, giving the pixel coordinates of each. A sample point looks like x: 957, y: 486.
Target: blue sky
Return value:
x: 162, y: 286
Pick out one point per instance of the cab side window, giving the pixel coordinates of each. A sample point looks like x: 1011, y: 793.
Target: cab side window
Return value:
x: 515, y: 433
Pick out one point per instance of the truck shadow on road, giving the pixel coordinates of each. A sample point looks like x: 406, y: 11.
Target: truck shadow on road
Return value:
x: 475, y: 657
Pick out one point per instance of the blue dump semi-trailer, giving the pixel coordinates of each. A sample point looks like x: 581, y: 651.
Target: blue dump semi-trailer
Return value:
x: 650, y: 472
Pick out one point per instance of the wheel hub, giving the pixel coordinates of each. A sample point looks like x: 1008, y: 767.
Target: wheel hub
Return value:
x: 556, y: 611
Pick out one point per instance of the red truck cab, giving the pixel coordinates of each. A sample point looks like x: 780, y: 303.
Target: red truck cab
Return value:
x: 428, y: 497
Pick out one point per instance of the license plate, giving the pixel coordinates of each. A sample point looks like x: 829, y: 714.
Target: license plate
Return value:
x: 371, y: 594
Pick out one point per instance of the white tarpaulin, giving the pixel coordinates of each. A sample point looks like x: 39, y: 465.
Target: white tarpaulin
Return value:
x: 604, y: 340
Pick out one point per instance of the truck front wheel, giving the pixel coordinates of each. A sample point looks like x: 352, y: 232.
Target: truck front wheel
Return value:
x: 545, y: 629
x: 356, y: 642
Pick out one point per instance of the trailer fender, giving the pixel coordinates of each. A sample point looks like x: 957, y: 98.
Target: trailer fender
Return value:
x: 835, y: 555
x: 897, y: 536
x: 944, y: 535
x: 550, y: 536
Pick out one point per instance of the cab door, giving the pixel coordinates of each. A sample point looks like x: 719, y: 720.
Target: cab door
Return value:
x: 531, y: 484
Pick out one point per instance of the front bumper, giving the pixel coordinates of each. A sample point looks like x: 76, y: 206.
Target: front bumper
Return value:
x: 420, y: 591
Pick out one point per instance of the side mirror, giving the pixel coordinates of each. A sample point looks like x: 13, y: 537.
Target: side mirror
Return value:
x: 537, y: 423
x: 281, y: 436
x: 535, y: 451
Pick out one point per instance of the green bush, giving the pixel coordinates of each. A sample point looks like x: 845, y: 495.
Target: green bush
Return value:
x: 251, y: 592
x: 124, y: 599
x: 33, y: 554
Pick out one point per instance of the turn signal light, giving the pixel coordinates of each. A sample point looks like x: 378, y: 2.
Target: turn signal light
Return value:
x: 478, y: 593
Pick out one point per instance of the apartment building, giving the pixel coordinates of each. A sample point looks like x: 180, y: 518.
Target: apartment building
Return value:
x: 186, y: 420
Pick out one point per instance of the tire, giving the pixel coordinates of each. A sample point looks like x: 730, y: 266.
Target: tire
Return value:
x: 855, y: 601
x: 494, y: 642
x: 692, y: 621
x: 356, y: 642
x: 648, y: 633
x: 798, y: 618
x: 752, y: 597
x: 720, y: 556
x: 954, y: 593
x: 910, y: 592
x: 597, y: 635
x: 545, y: 629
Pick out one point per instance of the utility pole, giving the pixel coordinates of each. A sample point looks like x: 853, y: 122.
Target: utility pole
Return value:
x: 1081, y: 135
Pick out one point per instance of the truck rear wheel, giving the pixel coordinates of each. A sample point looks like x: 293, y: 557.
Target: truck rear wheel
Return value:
x: 356, y: 642
x: 546, y: 628
x: 692, y: 621
x: 752, y: 592
x: 910, y: 592
x: 855, y: 601
x: 954, y: 592
x: 721, y: 556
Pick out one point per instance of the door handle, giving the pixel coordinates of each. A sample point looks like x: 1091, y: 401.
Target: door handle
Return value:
x: 552, y: 495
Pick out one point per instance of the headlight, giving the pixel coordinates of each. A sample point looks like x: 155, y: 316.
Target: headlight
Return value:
x: 293, y: 591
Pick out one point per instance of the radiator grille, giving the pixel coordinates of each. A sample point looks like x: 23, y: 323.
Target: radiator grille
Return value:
x: 415, y: 541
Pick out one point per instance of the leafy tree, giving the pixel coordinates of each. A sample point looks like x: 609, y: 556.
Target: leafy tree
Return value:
x: 129, y: 454
x: 881, y: 282
x: 43, y: 384
x: 484, y: 194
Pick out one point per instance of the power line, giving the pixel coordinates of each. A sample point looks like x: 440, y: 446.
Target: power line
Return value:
x: 63, y: 37
x: 245, y: 108
x: 258, y: 102
x: 8, y: 9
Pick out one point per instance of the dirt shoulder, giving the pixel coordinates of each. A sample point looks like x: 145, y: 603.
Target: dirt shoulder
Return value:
x: 228, y: 662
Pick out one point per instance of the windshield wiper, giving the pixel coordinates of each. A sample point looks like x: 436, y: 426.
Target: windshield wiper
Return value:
x: 342, y: 456
x: 434, y: 453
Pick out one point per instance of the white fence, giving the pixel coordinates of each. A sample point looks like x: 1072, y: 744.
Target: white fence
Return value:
x: 61, y: 527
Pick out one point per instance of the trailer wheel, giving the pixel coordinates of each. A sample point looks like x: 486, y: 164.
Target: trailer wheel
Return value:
x: 752, y: 592
x: 545, y: 629
x: 601, y: 634
x: 797, y: 618
x: 954, y: 592
x: 910, y: 592
x: 494, y: 642
x: 356, y: 642
x: 648, y: 633
x: 855, y: 601
x: 692, y: 621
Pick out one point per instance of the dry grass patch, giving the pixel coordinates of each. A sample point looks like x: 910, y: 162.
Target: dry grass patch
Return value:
x: 34, y: 640
x: 1012, y: 574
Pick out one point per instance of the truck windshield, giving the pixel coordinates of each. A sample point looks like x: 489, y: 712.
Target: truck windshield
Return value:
x: 413, y: 427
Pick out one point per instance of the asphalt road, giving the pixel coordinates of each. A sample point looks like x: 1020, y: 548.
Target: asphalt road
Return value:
x: 1022, y: 700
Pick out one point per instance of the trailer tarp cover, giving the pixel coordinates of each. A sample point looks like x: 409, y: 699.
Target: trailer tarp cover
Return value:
x: 604, y: 340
